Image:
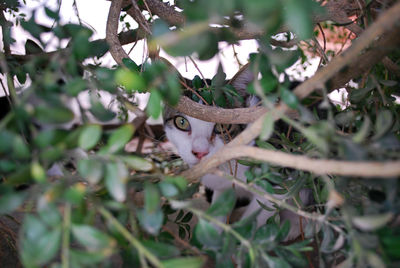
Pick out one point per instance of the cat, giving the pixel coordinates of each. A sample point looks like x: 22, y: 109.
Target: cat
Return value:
x: 196, y: 139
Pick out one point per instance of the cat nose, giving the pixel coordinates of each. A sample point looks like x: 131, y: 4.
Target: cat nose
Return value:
x: 200, y: 155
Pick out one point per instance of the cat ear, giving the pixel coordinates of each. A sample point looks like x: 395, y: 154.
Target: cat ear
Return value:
x: 241, y: 79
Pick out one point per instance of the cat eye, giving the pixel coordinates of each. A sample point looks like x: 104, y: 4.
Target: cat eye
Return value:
x: 182, y: 123
x: 222, y: 128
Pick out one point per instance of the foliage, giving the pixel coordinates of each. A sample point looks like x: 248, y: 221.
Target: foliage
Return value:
x: 89, y: 214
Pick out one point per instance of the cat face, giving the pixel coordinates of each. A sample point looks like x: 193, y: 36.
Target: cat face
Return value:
x: 194, y: 139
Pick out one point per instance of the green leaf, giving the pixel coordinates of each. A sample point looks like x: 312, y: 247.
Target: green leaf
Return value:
x: 115, y: 180
x: 192, y: 262
x: 89, y: 136
x: 151, y: 221
x: 98, y: 110
x: 38, y: 244
x: 37, y: 172
x: 207, y: 235
x: 161, y: 250
x: 53, y: 115
x: 267, y: 127
x: 75, y: 86
x: 383, y: 123
x: 20, y: 149
x: 119, y: 138
x: 91, y: 170
x: 168, y: 189
x: 298, y: 18
x: 10, y: 201
x: 363, y: 133
x: 87, y: 258
x: 130, y: 64
x: 138, y: 163
x: 154, y: 108
x: 151, y: 198
x: 289, y: 98
x: 130, y: 80
x: 32, y: 48
x: 266, y: 233
x: 224, y: 204
x: 92, y: 238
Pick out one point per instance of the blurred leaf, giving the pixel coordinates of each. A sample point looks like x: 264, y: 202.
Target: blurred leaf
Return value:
x: 53, y: 115
x: 161, y: 250
x: 267, y: 127
x: 138, y: 163
x: 274, y: 262
x: 130, y: 80
x: 39, y: 245
x: 207, y: 235
x: 372, y: 222
x: 75, y: 86
x: 168, y: 189
x: 87, y: 258
x: 364, y: 131
x: 298, y: 18
x: 31, y: 47
x: 89, y: 136
x: 289, y: 98
x: 357, y: 95
x: 10, y: 201
x: 51, y: 14
x: 192, y: 262
x: 130, y: 64
x: 92, y: 238
x: 151, y: 221
x: 119, y: 138
x: 154, y: 108
x: 20, y: 148
x: 98, y: 110
x: 115, y: 180
x: 37, y: 172
x: 151, y: 198
x: 375, y: 261
x: 224, y: 204
x: 383, y: 123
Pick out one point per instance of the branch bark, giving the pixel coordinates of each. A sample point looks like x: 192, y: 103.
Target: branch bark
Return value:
x: 368, y: 169
x: 116, y: 50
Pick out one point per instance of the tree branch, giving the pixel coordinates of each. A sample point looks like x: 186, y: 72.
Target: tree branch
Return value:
x: 116, y: 50
x: 367, y: 169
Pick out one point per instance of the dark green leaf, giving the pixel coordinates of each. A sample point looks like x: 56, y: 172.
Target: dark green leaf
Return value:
x: 53, y: 115
x: 207, y: 235
x: 224, y: 204
x: 161, y: 250
x: 289, y: 98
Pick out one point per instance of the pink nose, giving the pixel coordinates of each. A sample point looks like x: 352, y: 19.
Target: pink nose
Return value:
x: 200, y: 155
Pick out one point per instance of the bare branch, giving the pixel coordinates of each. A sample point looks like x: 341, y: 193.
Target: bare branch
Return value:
x: 116, y: 50
x: 367, y: 169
